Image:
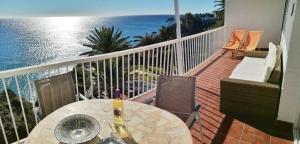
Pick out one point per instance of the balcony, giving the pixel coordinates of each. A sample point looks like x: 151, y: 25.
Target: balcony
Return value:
x: 135, y: 73
x: 219, y: 128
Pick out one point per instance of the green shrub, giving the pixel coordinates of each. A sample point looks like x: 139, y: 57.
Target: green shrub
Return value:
x: 19, y: 119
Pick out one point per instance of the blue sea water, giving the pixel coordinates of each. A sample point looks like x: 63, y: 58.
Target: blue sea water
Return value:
x: 32, y: 41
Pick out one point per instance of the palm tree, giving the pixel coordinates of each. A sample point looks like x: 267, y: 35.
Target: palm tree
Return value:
x: 102, y: 40
x: 220, y: 4
x: 107, y: 39
x: 147, y: 39
x: 167, y: 33
x: 191, y: 24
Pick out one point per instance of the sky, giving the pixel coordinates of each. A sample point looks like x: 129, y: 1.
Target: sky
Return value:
x: 21, y: 8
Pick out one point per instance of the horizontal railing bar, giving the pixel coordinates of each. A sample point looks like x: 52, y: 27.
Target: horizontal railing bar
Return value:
x: 43, y: 67
x: 200, y: 34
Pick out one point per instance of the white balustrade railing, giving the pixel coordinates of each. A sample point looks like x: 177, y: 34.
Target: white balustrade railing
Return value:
x: 134, y: 71
x: 197, y: 48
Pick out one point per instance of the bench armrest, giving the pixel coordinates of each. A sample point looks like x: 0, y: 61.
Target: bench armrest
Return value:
x: 249, y: 89
x: 257, y: 54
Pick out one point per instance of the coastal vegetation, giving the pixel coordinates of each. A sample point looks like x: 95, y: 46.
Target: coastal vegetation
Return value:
x: 17, y: 113
x: 107, y: 39
x: 190, y: 24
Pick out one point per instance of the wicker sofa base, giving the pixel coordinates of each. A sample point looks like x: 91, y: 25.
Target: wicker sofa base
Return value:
x: 249, y: 101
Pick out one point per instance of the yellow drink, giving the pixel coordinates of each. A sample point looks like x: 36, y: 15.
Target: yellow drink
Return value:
x: 118, y: 106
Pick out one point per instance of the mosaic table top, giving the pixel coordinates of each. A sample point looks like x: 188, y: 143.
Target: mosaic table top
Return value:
x: 147, y: 124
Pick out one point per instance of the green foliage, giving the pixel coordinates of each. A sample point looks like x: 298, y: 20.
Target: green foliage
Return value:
x: 147, y: 39
x: 220, y: 5
x: 167, y: 33
x: 102, y: 71
x: 86, y: 76
x: 17, y: 112
x: 190, y: 24
x: 107, y: 39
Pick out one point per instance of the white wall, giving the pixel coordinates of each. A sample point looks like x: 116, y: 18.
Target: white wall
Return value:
x: 266, y: 15
x: 287, y: 30
x: 289, y: 107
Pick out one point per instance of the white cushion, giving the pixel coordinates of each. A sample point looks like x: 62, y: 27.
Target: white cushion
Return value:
x: 248, y: 68
x: 253, y: 60
x: 256, y: 69
x: 271, y: 59
x: 251, y: 72
x: 256, y: 78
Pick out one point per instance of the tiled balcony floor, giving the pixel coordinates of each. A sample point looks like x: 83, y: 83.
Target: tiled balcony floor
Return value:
x: 217, y: 127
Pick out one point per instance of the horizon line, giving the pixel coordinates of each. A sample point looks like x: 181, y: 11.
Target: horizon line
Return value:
x: 107, y: 16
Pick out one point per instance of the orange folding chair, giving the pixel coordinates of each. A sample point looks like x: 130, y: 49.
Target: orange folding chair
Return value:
x: 251, y: 41
x: 236, y: 40
x: 243, y: 40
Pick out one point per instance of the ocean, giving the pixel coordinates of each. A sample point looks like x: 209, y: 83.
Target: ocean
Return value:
x: 32, y: 41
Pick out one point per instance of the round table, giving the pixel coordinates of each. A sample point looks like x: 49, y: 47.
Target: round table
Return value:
x: 166, y: 127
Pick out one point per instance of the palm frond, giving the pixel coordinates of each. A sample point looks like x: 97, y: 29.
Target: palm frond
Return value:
x: 107, y: 39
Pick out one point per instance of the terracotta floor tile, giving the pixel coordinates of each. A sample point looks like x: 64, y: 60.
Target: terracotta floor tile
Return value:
x: 243, y: 142
x: 231, y: 140
x: 236, y: 129
x: 275, y: 140
x: 254, y: 136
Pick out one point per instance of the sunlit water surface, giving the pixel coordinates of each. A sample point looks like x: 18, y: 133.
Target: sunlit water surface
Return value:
x: 32, y: 41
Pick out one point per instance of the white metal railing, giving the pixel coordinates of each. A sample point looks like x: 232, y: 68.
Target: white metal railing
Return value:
x: 197, y: 48
x: 133, y: 71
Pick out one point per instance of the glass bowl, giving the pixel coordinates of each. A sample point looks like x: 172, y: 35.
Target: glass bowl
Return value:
x: 77, y: 128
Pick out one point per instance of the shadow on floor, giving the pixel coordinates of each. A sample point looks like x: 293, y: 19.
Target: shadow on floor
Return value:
x: 223, y: 131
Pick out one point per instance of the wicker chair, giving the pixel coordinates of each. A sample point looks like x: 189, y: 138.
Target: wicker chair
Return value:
x: 176, y: 94
x: 54, y: 92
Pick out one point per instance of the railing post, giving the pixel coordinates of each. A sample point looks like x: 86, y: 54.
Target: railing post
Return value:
x: 179, y: 51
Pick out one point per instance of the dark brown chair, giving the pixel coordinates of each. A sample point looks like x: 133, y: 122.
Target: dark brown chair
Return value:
x: 55, y: 92
x: 176, y: 94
